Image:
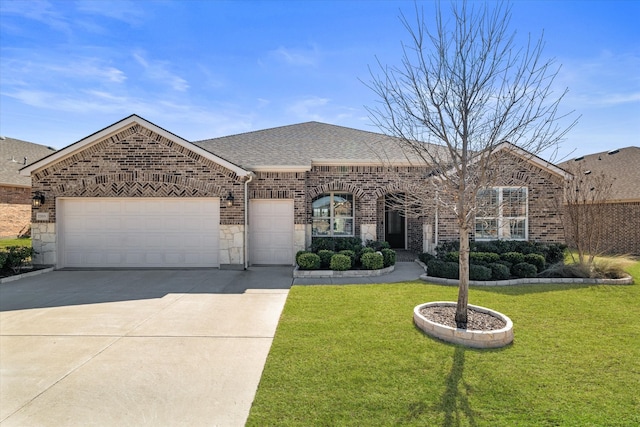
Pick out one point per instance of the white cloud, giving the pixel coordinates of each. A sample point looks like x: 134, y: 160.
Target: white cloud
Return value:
x: 125, y: 11
x: 297, y: 57
x: 38, y: 10
x: 157, y: 71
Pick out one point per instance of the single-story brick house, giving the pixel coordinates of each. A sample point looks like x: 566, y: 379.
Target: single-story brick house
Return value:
x: 621, y: 233
x: 136, y: 195
x: 15, y: 189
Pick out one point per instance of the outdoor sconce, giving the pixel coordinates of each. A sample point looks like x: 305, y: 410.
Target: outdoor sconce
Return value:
x: 230, y: 200
x: 38, y: 200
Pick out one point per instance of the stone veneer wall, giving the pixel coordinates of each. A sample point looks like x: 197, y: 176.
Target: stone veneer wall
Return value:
x: 137, y: 162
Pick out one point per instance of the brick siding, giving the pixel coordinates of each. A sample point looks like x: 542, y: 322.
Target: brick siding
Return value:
x: 15, y: 195
x: 137, y: 162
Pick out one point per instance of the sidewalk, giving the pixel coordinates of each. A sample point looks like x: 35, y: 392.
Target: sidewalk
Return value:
x: 404, y: 272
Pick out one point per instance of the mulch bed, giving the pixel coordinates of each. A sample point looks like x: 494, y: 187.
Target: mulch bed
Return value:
x: 476, y: 320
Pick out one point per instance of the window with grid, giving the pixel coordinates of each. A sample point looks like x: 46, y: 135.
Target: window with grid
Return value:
x: 502, y: 214
x: 333, y: 215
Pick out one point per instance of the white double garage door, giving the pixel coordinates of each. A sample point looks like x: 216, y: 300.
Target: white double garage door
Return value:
x: 165, y: 232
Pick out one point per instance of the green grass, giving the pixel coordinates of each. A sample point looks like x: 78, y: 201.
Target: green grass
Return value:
x: 4, y: 243
x: 351, y: 356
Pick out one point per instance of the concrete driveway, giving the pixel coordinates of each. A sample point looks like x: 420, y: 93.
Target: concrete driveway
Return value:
x: 136, y: 347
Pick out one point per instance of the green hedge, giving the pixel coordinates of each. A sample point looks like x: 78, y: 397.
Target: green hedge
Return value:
x: 309, y: 261
x: 438, y: 268
x: 13, y: 258
x: 340, y: 262
x: 513, y: 257
x: 372, y: 261
x: 499, y: 271
x: 325, y: 257
x: 389, y: 257
x: 524, y: 269
x: 535, y: 259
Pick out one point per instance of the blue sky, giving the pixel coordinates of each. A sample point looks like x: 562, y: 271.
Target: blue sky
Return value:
x: 202, y: 69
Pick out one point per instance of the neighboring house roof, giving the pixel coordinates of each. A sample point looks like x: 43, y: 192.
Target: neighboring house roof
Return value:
x: 298, y: 146
x: 118, y: 127
x: 623, y: 165
x: 15, y: 154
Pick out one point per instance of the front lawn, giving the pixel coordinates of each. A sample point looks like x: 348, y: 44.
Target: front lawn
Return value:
x: 350, y: 355
x: 5, y: 243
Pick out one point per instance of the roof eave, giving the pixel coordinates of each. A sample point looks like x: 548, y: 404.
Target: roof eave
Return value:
x: 117, y: 127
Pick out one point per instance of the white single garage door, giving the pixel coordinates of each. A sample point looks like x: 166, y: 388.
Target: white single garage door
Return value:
x: 138, y: 232
x: 271, y: 232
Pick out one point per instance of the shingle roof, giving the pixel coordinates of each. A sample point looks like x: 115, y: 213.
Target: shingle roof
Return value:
x: 623, y: 165
x: 14, y: 155
x: 301, y: 144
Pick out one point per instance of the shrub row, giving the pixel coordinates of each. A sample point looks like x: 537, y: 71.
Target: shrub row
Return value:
x: 374, y: 256
x: 492, y: 271
x: 13, y: 258
x: 552, y: 252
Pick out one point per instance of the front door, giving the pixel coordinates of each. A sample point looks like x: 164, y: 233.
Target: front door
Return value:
x: 394, y: 229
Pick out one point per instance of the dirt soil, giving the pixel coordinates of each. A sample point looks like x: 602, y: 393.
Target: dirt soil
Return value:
x: 476, y: 321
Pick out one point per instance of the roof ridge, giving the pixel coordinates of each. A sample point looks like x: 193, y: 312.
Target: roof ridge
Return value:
x: 289, y: 126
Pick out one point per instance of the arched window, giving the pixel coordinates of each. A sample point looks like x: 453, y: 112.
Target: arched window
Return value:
x: 333, y: 215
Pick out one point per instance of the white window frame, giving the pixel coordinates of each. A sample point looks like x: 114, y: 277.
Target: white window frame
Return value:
x: 503, y: 231
x: 332, y: 216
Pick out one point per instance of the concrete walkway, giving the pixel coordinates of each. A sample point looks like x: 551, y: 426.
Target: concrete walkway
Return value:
x: 403, y: 272
x: 136, y: 347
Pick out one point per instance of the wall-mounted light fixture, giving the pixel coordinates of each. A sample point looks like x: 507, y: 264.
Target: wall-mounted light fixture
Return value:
x: 229, y: 200
x: 37, y: 200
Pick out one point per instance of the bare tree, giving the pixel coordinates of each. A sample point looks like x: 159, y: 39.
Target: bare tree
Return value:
x: 584, y: 211
x: 462, y: 89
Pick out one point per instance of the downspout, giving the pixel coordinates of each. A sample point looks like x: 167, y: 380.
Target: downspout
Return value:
x: 246, y: 219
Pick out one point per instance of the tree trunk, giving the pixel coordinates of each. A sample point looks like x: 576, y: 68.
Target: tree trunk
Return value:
x: 463, y: 287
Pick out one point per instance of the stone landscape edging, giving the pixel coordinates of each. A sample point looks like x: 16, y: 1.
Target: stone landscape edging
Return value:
x: 467, y: 337
x: 317, y: 274
x: 27, y: 274
x: 530, y: 281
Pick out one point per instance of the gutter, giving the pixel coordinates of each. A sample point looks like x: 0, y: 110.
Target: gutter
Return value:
x: 250, y: 176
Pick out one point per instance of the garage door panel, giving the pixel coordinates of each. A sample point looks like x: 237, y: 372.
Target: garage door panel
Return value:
x: 139, y: 232
x: 271, y: 231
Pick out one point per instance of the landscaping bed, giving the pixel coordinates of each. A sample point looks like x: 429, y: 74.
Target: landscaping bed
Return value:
x: 344, y: 257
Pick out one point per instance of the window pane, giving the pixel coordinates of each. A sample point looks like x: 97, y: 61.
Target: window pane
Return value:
x: 321, y: 206
x: 321, y: 227
x: 486, y: 228
x: 517, y: 229
x: 342, y: 205
x: 488, y: 202
x: 514, y: 201
x: 343, y: 227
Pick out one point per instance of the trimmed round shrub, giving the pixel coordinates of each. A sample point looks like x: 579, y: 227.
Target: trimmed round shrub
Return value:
x: 555, y: 253
x: 499, y: 271
x: 366, y: 250
x: 325, y: 257
x: 372, y: 261
x: 426, y: 257
x: 524, y: 269
x: 351, y: 254
x: 340, y: 262
x: 486, y: 257
x: 479, y: 272
x: 389, y: 257
x: 309, y: 261
x: 438, y: 268
x: 300, y: 253
x: 513, y: 257
x: 535, y: 259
